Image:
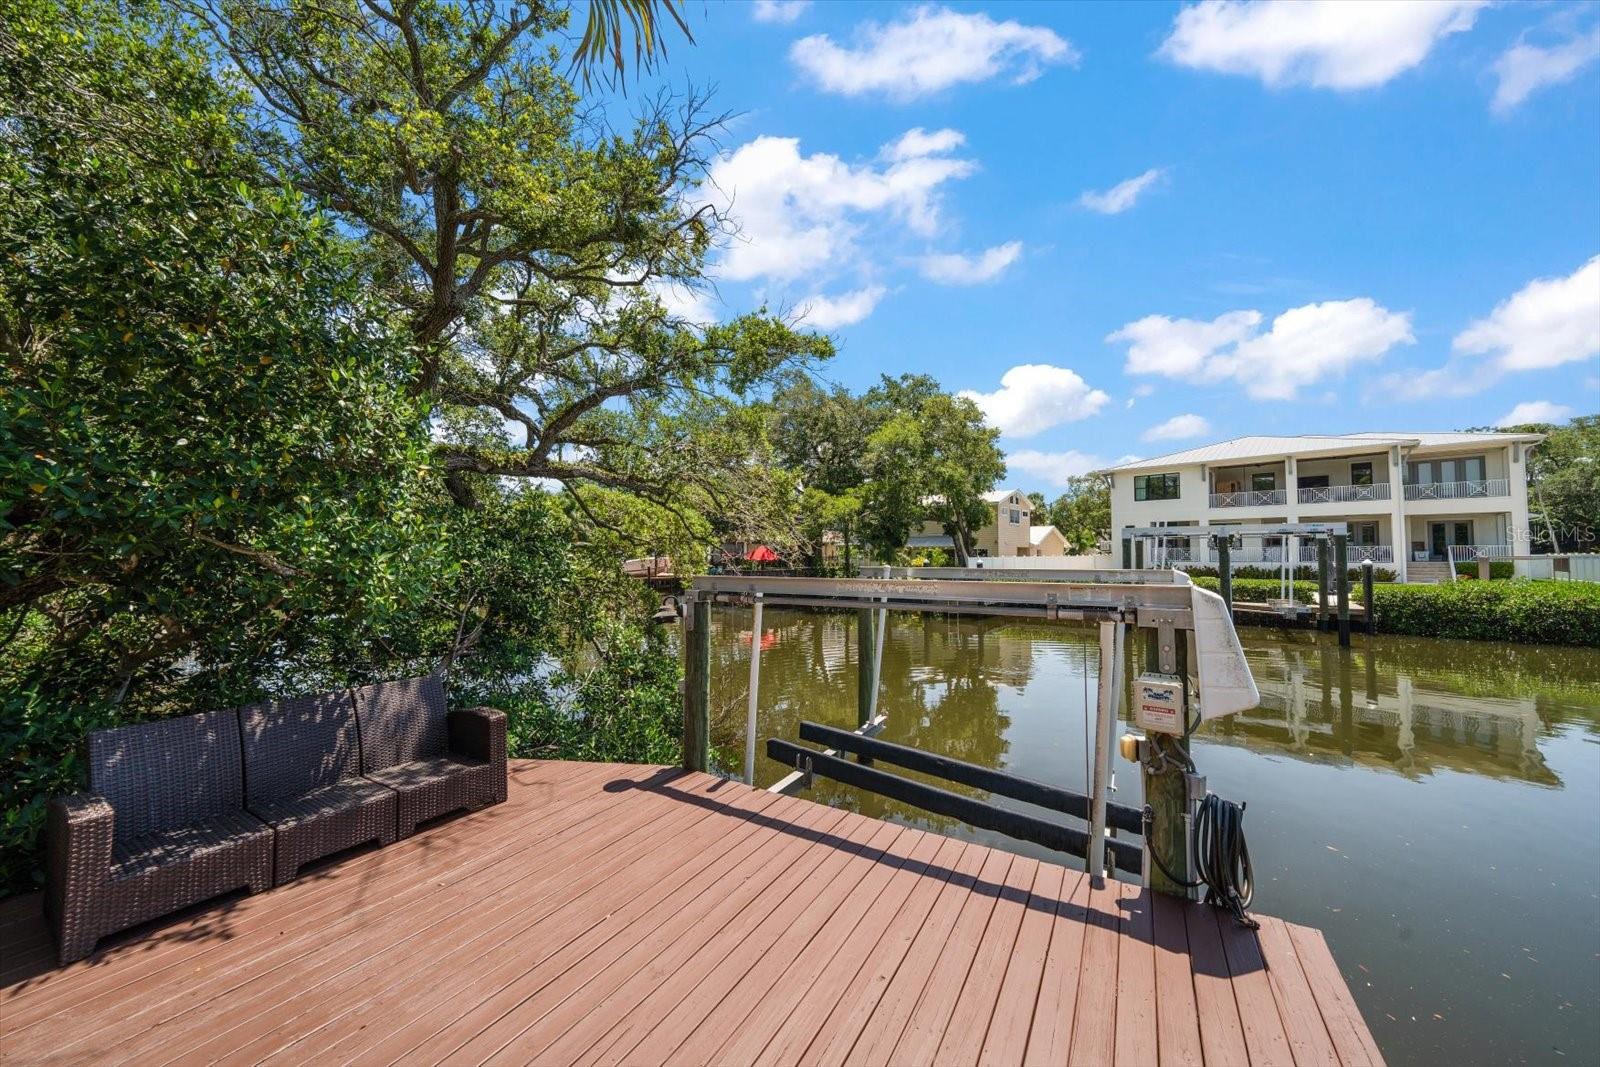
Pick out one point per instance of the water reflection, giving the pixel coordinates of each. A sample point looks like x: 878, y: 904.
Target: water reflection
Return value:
x: 1387, y: 704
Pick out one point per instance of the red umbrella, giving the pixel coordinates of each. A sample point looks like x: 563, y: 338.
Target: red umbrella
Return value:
x: 761, y: 554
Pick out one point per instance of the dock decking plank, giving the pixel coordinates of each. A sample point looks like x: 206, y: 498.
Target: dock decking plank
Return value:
x: 613, y: 913
x: 1136, y: 977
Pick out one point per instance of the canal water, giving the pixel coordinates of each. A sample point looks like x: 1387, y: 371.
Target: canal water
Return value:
x: 1432, y: 806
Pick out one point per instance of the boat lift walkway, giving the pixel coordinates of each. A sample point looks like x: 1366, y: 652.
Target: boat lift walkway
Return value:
x: 625, y: 914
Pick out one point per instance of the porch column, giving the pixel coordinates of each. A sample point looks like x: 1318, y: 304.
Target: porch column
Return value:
x: 1291, y: 496
x: 1397, y: 514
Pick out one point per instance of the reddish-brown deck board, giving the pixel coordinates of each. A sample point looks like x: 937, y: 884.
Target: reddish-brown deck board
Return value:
x: 633, y: 914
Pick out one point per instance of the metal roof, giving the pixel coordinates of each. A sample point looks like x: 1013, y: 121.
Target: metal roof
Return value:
x: 1268, y: 447
x: 1037, y: 534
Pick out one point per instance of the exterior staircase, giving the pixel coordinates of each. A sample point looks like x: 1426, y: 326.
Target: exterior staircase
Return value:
x: 1431, y: 573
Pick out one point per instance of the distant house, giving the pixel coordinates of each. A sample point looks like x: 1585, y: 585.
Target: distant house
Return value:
x: 1412, y: 501
x: 1009, y: 533
x: 1046, y: 541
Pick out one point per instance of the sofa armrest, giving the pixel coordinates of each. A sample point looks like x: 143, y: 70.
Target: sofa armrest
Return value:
x: 479, y: 733
x: 79, y: 833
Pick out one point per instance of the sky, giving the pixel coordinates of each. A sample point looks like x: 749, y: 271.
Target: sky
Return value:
x: 1126, y: 230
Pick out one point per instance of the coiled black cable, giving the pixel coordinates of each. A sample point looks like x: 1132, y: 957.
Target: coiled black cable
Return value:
x: 1221, y: 857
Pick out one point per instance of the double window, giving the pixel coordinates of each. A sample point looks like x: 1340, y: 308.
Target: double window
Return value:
x: 1429, y: 471
x: 1263, y: 481
x: 1155, y: 487
x: 1361, y: 474
x: 1015, y: 516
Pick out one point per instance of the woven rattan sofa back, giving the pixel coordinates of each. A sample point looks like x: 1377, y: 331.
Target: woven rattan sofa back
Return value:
x: 170, y: 773
x: 402, y: 721
x: 292, y: 747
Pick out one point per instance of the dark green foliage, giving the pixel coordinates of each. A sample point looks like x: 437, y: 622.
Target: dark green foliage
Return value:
x: 1550, y: 613
x: 1524, y: 612
x: 1260, y: 590
x: 1499, y: 571
x: 624, y: 708
x: 1301, y: 574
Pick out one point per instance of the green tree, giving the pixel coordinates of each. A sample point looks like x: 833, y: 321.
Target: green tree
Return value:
x: 932, y: 459
x: 821, y: 435
x: 519, y: 237
x: 207, y: 465
x: 1083, y: 512
x: 1564, y: 480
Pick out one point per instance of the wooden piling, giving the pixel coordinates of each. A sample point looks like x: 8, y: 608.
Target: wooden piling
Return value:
x: 1341, y: 562
x: 1322, y: 585
x: 1167, y: 793
x: 1368, y: 615
x: 697, y: 687
x: 1225, y: 569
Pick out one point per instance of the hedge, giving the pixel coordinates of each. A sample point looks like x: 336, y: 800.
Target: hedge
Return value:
x: 1498, y: 571
x: 1522, y: 612
x: 1301, y: 573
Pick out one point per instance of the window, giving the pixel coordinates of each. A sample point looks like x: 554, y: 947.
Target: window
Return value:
x: 1264, y: 481
x: 1428, y: 471
x: 1313, y: 481
x: 1364, y: 534
x: 1014, y: 516
x: 1360, y: 474
x: 1155, y: 487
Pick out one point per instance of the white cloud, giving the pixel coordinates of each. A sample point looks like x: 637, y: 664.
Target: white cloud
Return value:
x: 1548, y: 322
x: 784, y: 11
x: 1178, y: 428
x: 929, y: 49
x: 952, y: 268
x: 800, y: 214
x: 1535, y: 411
x: 1179, y: 348
x: 1052, y: 468
x: 919, y: 142
x: 1525, y: 68
x: 1036, y: 396
x: 1330, y: 44
x: 1120, y: 197
x: 1303, y: 345
x: 827, y: 313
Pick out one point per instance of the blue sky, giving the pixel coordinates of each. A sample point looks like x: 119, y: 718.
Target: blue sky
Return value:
x: 1335, y: 218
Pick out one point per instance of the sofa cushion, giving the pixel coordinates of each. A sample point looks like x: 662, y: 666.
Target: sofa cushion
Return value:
x: 168, y: 774
x: 401, y: 722
x: 423, y: 772
x: 329, y: 800
x: 151, y: 851
x: 294, y: 747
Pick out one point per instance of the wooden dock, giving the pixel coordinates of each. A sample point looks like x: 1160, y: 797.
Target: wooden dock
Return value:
x: 623, y: 914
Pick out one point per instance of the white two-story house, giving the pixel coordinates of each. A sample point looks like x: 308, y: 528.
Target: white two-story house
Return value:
x: 1409, y: 498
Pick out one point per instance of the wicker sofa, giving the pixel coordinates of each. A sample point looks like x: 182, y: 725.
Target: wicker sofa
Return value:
x: 185, y: 809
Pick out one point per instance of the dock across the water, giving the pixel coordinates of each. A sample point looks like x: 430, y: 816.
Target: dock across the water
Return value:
x: 623, y: 914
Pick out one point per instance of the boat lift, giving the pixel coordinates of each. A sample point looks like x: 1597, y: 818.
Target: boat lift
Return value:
x: 1195, y: 670
x: 1149, y: 543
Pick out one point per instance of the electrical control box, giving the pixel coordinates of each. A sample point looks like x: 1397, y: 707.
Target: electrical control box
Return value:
x: 1158, y: 703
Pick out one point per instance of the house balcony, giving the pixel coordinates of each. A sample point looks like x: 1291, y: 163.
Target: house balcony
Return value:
x: 1343, y: 494
x: 1250, y: 498
x: 1457, y: 490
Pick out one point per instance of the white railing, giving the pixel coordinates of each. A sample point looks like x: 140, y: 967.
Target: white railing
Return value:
x: 1475, y: 554
x: 1250, y: 498
x: 1344, y: 494
x: 1457, y: 490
